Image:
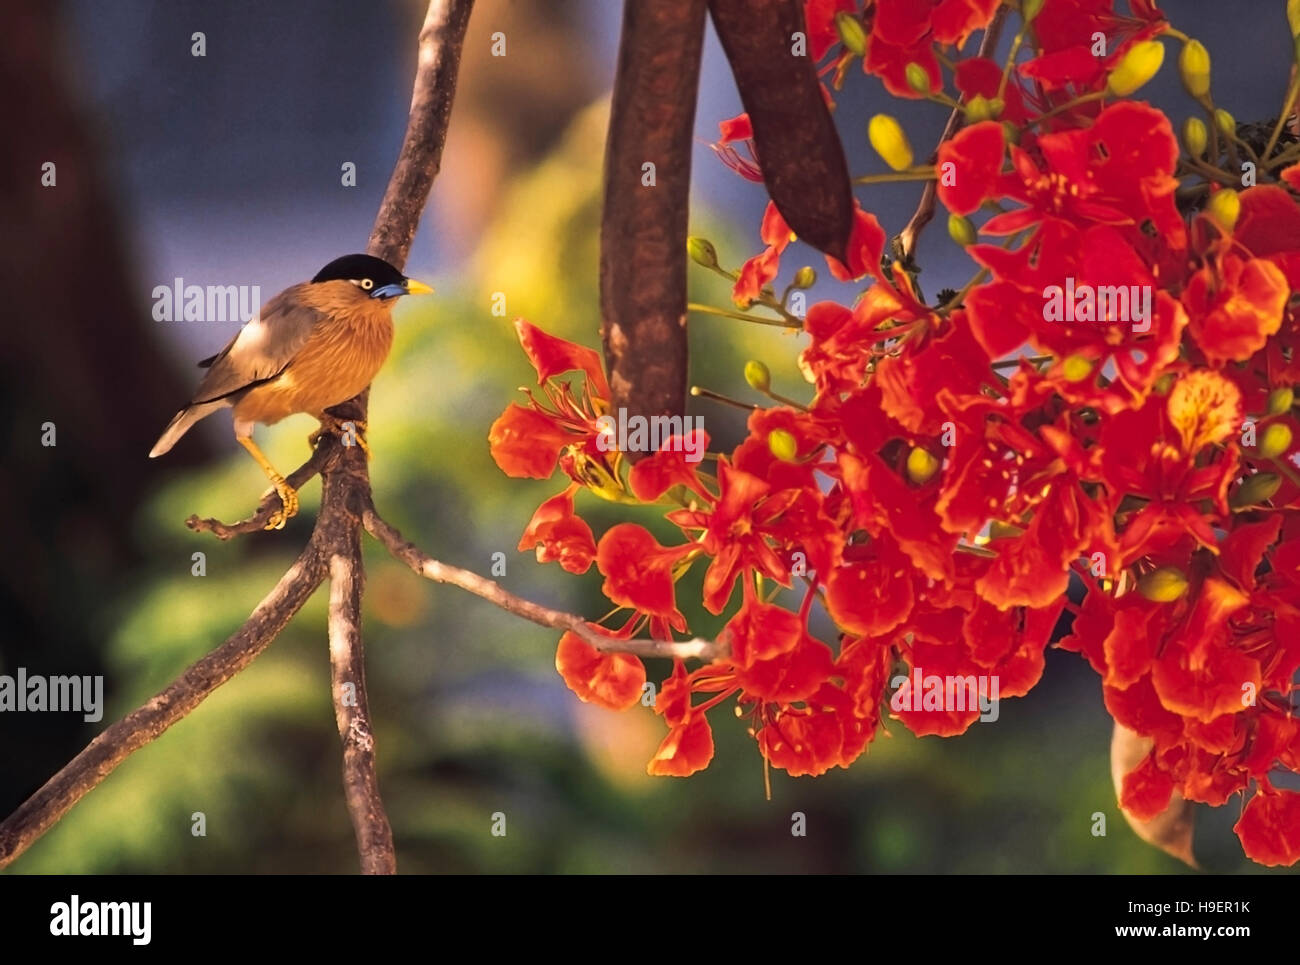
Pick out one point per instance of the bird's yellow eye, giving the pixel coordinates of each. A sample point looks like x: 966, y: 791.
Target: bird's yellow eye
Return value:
x: 367, y: 284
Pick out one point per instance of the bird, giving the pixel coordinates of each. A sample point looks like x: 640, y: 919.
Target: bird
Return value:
x: 312, y: 346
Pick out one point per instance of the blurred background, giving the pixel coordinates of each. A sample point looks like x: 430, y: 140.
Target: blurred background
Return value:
x: 227, y: 169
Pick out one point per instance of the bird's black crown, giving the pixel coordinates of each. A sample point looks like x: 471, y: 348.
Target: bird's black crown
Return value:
x: 352, y: 267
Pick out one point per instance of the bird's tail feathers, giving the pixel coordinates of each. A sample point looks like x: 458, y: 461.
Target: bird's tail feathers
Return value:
x: 180, y: 425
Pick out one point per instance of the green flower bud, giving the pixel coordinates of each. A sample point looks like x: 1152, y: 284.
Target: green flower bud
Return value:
x: 921, y: 465
x: 1194, y: 68
x: 1224, y: 207
x: 961, y: 230
x: 783, y: 445
x: 702, y: 252
x: 1281, y: 400
x: 917, y: 78
x: 1275, y: 440
x: 852, y: 34
x: 980, y: 108
x: 805, y: 277
x: 890, y: 141
x: 1293, y: 16
x: 1255, y: 490
x: 1195, y: 136
x: 758, y: 375
x: 1227, y: 124
x: 1163, y: 585
x: 1001, y: 530
x: 1010, y: 132
x: 1136, y: 67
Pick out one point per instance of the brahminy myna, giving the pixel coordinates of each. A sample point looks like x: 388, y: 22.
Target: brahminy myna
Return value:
x: 310, y: 347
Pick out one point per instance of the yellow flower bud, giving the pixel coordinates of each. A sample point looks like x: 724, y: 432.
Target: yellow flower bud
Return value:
x: 851, y: 32
x: 702, y: 252
x: 1255, y: 490
x: 757, y: 375
x: 1136, y: 67
x: 1163, y: 585
x: 1275, y: 440
x: 1194, y: 68
x: 783, y: 445
x: 1281, y: 400
x: 805, y: 277
x: 1224, y: 207
x: 889, y: 140
x: 917, y: 78
x: 921, y: 465
x: 1226, y: 123
x: 961, y: 230
x: 1293, y: 16
x: 1076, y: 368
x: 1195, y: 136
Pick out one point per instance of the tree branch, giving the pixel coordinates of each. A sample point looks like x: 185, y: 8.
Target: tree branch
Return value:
x: 102, y: 755
x: 335, y: 542
x: 431, y: 569
x: 352, y: 712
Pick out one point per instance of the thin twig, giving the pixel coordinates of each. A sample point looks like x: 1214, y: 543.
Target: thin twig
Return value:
x: 924, y: 213
x: 431, y: 569
x: 147, y: 723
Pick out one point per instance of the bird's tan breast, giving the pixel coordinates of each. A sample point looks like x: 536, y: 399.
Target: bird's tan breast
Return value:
x: 339, y: 359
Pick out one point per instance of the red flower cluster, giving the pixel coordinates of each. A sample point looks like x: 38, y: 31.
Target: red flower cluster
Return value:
x: 1108, y: 398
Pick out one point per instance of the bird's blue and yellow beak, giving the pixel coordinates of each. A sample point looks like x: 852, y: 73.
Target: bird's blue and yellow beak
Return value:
x: 408, y: 287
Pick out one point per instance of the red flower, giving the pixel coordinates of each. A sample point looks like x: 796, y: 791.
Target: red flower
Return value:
x: 1269, y: 827
x: 639, y: 574
x: 611, y: 680
x: 559, y: 535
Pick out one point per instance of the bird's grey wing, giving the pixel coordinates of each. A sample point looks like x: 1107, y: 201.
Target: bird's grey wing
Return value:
x: 261, y: 350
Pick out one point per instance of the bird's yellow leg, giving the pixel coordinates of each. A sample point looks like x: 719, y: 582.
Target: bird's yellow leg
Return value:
x: 350, y: 432
x: 288, y: 495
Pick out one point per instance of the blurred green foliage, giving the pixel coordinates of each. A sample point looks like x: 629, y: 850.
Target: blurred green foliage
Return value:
x: 471, y: 718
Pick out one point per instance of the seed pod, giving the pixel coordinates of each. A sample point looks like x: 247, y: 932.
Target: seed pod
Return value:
x: 921, y: 465
x: 702, y: 252
x: 1136, y: 67
x: 1224, y: 207
x: 783, y: 445
x: 1195, y: 136
x: 961, y: 230
x: 1280, y: 400
x: 1255, y: 490
x: 758, y: 375
x: 1274, y: 440
x: 1194, y: 68
x: 890, y: 141
x: 1163, y: 585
